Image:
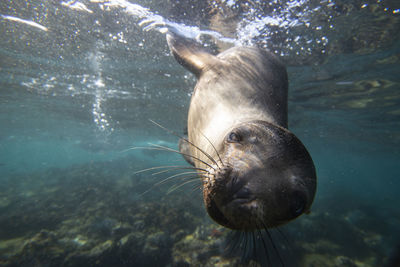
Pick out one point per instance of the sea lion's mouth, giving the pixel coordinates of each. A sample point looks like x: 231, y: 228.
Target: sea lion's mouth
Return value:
x: 229, y: 200
x: 242, y: 195
x: 239, y: 194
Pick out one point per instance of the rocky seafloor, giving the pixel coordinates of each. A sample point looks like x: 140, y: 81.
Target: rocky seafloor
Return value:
x: 97, y: 215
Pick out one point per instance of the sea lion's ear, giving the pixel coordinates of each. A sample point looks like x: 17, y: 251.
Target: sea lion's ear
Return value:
x: 190, y: 54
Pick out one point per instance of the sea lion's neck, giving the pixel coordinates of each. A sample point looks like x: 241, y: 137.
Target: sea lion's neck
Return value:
x: 244, y: 85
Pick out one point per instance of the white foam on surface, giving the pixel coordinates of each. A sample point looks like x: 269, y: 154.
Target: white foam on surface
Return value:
x: 26, y: 22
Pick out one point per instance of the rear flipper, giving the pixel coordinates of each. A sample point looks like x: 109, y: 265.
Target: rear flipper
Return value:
x: 184, y: 148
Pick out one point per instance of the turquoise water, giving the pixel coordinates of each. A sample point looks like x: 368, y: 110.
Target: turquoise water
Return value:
x: 81, y: 80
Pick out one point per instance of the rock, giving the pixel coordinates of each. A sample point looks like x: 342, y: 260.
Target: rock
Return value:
x: 341, y: 261
x: 43, y: 249
x: 93, y: 257
x: 201, y: 248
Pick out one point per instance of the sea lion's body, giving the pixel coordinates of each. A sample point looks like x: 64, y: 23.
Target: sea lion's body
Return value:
x: 256, y: 174
x: 226, y: 96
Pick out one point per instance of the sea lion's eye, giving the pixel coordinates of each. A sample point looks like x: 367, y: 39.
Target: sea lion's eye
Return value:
x: 298, y: 204
x: 233, y: 137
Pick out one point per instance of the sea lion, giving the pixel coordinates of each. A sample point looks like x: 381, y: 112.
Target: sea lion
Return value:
x: 256, y: 174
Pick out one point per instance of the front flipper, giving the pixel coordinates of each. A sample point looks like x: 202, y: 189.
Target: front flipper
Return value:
x: 190, y: 54
x: 184, y: 148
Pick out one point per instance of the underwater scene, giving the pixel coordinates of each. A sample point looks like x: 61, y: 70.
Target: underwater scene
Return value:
x: 93, y: 105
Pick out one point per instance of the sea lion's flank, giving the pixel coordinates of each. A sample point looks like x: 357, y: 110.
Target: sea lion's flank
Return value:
x: 256, y: 174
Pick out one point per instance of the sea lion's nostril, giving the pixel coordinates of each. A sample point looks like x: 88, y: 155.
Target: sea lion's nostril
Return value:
x: 244, y: 193
x: 235, y: 184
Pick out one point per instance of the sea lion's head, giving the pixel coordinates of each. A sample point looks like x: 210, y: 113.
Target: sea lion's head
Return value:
x: 266, y: 178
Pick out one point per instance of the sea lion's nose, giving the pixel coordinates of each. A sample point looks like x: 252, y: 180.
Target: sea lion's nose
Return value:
x: 236, y: 188
x: 234, y: 183
x: 243, y: 193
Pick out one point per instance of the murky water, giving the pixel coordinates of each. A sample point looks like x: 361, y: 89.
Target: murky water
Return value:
x: 81, y: 80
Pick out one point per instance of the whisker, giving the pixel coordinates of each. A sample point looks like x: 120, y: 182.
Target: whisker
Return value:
x: 159, y: 147
x: 257, y: 250
x: 234, y: 243
x: 174, y: 176
x: 137, y: 148
x: 186, y: 140
x: 170, y: 177
x: 164, y: 171
x: 274, y: 246
x: 212, y: 147
x: 265, y: 246
x: 164, y: 148
x: 253, y: 246
x: 171, y: 167
x: 285, y: 238
x: 241, y: 242
x: 172, y: 189
x: 195, y: 188
x: 245, y: 250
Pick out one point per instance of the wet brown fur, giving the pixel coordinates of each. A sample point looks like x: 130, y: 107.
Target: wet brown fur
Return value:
x: 258, y: 173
